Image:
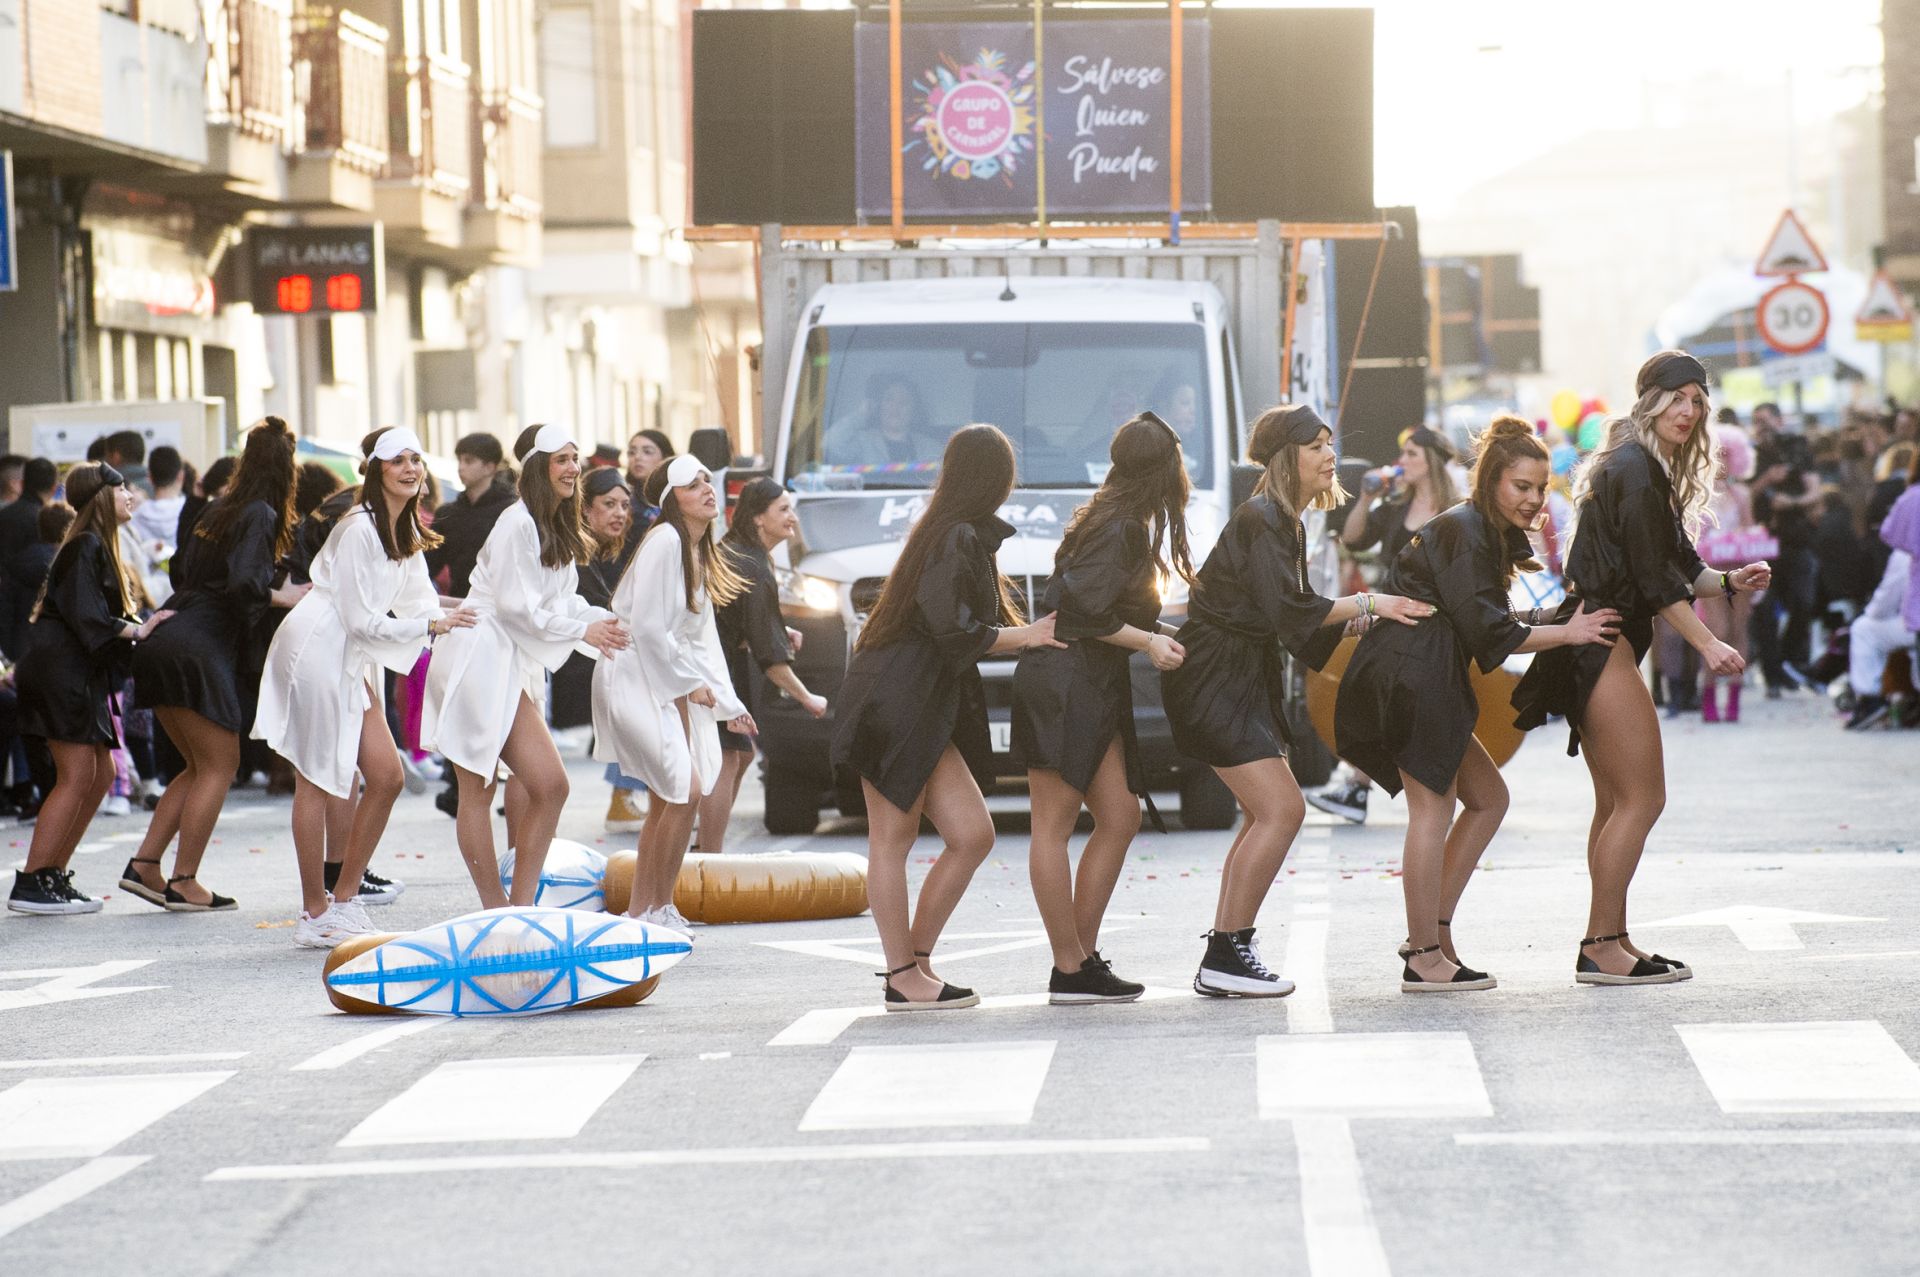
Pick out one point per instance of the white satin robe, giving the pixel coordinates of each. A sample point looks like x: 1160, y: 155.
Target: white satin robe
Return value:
x: 635, y: 721
x: 332, y: 647
x: 531, y: 619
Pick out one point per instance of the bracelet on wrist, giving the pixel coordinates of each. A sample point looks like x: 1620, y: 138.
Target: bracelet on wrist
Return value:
x: 1726, y: 584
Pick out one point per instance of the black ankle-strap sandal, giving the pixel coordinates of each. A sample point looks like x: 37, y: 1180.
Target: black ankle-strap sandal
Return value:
x: 1587, y: 971
x: 177, y: 903
x: 952, y: 997
x: 1462, y: 980
x: 1680, y: 969
x: 131, y: 883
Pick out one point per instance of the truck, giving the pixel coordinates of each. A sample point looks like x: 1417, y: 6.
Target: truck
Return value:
x: 873, y: 356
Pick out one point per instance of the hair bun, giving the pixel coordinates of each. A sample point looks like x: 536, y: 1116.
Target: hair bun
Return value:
x: 1506, y: 425
x: 275, y: 425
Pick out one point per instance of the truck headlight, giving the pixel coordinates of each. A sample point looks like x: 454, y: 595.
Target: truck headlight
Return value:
x: 812, y: 593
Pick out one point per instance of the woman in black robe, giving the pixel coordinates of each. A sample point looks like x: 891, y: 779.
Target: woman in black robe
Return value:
x: 1073, y: 706
x: 1407, y: 708
x: 197, y: 671
x: 1225, y: 704
x: 1638, y: 496
x: 756, y: 639
x: 912, y: 719
x: 76, y: 641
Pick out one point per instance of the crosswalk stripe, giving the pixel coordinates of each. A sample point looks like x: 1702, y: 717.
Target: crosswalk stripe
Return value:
x: 85, y: 1116
x: 64, y: 1191
x: 1834, y: 1066
x: 1370, y: 1075
x: 1306, y: 965
x: 511, y: 1099
x: 355, y: 1047
x: 957, y: 1084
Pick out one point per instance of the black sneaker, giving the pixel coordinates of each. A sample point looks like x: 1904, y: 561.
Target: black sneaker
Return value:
x: 375, y: 890
x: 87, y: 903
x: 1093, y: 982
x: 1233, y: 969
x: 1867, y: 711
x: 44, y: 891
x: 1349, y: 802
x: 448, y: 800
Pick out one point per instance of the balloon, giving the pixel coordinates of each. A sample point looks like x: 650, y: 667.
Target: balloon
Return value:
x: 1565, y: 407
x: 1593, y: 431
x: 1565, y: 457
x: 1592, y: 406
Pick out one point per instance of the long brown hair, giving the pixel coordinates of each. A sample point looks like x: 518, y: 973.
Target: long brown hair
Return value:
x: 1506, y: 439
x: 563, y: 536
x: 1269, y: 446
x: 100, y: 516
x: 265, y: 473
x: 703, y: 566
x: 408, y: 536
x: 1148, y: 482
x: 976, y: 478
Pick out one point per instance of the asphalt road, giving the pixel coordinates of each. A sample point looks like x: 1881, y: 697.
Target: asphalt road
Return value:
x: 176, y: 1095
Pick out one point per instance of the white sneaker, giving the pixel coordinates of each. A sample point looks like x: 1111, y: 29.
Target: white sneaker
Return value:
x: 668, y: 918
x: 115, y: 805
x: 678, y: 921
x: 329, y: 929
x: 355, y: 912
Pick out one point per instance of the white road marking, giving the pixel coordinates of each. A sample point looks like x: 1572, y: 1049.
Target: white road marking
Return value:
x: 953, y: 1084
x: 866, y: 949
x: 823, y: 1026
x: 353, y: 1048
x: 1864, y: 957
x: 71, y: 984
x: 1312, y: 908
x: 88, y: 848
x: 1757, y: 926
x: 1341, y: 1235
x: 1641, y: 1139
x: 1836, y: 1066
x: 111, y: 1061
x: 1370, y: 1075
x: 718, y: 1157
x: 515, y: 1099
x: 86, y: 1116
x: 1306, y: 966
x: 64, y: 1191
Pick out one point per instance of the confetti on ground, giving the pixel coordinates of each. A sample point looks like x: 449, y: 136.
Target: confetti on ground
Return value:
x: 269, y: 926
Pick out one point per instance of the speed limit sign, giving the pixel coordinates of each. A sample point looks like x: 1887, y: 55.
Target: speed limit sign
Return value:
x: 1793, y: 317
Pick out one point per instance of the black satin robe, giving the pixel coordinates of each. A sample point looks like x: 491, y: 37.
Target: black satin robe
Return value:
x: 1630, y: 553
x: 902, y: 704
x: 74, y: 649
x: 1069, y: 704
x: 752, y: 632
x: 1226, y: 703
x: 1407, y: 701
x: 208, y: 657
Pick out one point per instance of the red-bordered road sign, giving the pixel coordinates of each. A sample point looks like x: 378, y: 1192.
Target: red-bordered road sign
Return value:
x: 1793, y: 317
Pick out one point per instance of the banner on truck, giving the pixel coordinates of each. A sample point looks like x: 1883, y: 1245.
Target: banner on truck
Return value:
x: 974, y: 103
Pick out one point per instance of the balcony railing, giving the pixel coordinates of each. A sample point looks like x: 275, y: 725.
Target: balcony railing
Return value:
x: 340, y: 59
x: 429, y: 109
x: 248, y: 66
x: 507, y: 150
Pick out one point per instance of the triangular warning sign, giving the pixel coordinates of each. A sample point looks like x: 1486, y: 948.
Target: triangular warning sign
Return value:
x: 1884, y: 304
x: 1790, y: 250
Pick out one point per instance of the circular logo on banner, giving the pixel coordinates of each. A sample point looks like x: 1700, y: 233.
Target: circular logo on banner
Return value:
x: 976, y: 119
x: 1792, y: 317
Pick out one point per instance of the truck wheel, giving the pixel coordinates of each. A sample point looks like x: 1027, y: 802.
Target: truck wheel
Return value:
x: 1205, y: 801
x: 793, y: 803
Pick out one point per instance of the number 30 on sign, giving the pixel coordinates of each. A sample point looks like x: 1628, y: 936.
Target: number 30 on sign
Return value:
x: 1793, y: 317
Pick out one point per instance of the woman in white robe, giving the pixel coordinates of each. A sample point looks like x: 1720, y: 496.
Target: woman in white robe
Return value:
x: 657, y: 706
x: 487, y: 686
x: 371, y: 607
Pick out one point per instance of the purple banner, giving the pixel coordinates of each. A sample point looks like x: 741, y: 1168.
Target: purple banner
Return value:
x: 973, y: 106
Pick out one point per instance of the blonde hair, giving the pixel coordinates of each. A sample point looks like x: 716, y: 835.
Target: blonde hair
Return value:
x: 1693, y: 468
x: 1281, y: 482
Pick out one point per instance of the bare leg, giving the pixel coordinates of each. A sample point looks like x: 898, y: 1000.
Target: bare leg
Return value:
x: 1483, y: 801
x: 383, y: 781
x: 514, y: 799
x: 890, y: 836
x: 473, y: 829
x: 959, y: 814
x: 1116, y: 821
x: 1275, y: 811
x: 536, y: 765
x: 1620, y: 737
x: 1056, y: 806
x: 339, y: 820
x: 1423, y: 874
x: 83, y: 775
x: 213, y: 754
x: 716, y: 809
x: 309, y: 843
x: 663, y: 843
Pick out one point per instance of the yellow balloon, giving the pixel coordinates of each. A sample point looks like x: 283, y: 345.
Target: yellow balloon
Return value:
x: 1565, y: 408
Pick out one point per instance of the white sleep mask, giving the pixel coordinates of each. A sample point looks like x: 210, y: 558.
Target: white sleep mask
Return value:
x: 392, y: 443
x: 684, y: 471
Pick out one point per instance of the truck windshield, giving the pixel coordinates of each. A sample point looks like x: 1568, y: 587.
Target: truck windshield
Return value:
x: 876, y: 403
